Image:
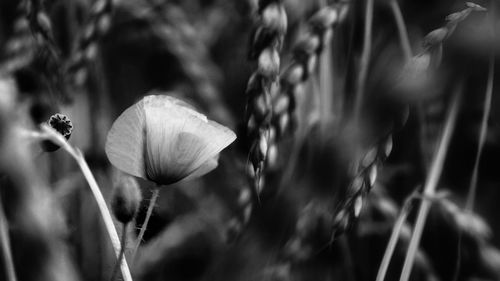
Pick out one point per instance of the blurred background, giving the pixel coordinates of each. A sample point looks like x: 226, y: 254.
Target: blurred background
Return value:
x: 354, y: 148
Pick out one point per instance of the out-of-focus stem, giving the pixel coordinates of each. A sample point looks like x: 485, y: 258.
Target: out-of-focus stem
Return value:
x: 471, y: 195
x: 393, y: 240
x: 10, y: 271
x: 406, y: 47
x: 403, y: 33
x: 152, y: 203
x: 431, y: 183
x: 326, y: 82
x: 101, y: 203
x: 365, y: 59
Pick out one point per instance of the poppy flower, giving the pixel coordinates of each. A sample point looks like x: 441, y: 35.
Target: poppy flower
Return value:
x: 164, y: 140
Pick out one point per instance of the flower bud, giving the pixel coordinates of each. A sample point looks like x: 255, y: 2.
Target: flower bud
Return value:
x: 126, y: 198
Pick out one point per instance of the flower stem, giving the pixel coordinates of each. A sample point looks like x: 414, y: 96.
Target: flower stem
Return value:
x: 101, y: 203
x: 5, y: 244
x: 152, y: 202
x: 122, y: 252
x: 431, y: 184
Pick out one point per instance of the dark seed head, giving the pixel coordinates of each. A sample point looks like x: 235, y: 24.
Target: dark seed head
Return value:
x: 62, y: 125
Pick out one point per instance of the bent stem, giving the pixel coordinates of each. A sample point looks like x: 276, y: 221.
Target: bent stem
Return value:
x: 57, y: 138
x: 6, y: 250
x: 152, y: 202
x: 431, y: 183
x: 122, y: 253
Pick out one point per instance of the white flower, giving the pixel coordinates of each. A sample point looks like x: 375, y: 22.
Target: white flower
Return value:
x: 163, y: 139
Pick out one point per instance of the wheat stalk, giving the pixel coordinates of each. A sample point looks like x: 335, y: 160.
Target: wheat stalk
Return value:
x: 364, y: 179
x: 40, y: 25
x: 19, y: 48
x: 266, y: 42
x: 471, y: 193
x: 365, y: 59
x: 305, y: 55
x: 398, y: 226
x: 401, y: 229
x: 86, y: 50
x: 431, y: 182
x: 171, y: 24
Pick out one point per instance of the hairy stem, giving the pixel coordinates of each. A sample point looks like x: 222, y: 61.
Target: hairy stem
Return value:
x: 152, y: 202
x: 101, y: 203
x: 431, y: 183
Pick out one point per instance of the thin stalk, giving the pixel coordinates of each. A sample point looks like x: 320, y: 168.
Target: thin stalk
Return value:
x: 431, y: 183
x: 404, y: 40
x: 471, y: 195
x: 393, y: 240
x: 122, y: 253
x: 152, y: 202
x: 101, y: 203
x: 348, y: 260
x: 365, y: 58
x: 10, y: 271
x: 403, y: 33
x: 326, y: 82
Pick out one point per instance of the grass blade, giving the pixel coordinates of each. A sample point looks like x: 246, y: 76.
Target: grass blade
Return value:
x: 431, y: 183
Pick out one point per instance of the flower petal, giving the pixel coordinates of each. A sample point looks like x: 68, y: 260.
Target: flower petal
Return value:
x: 179, y: 139
x: 125, y: 142
x: 205, y: 168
